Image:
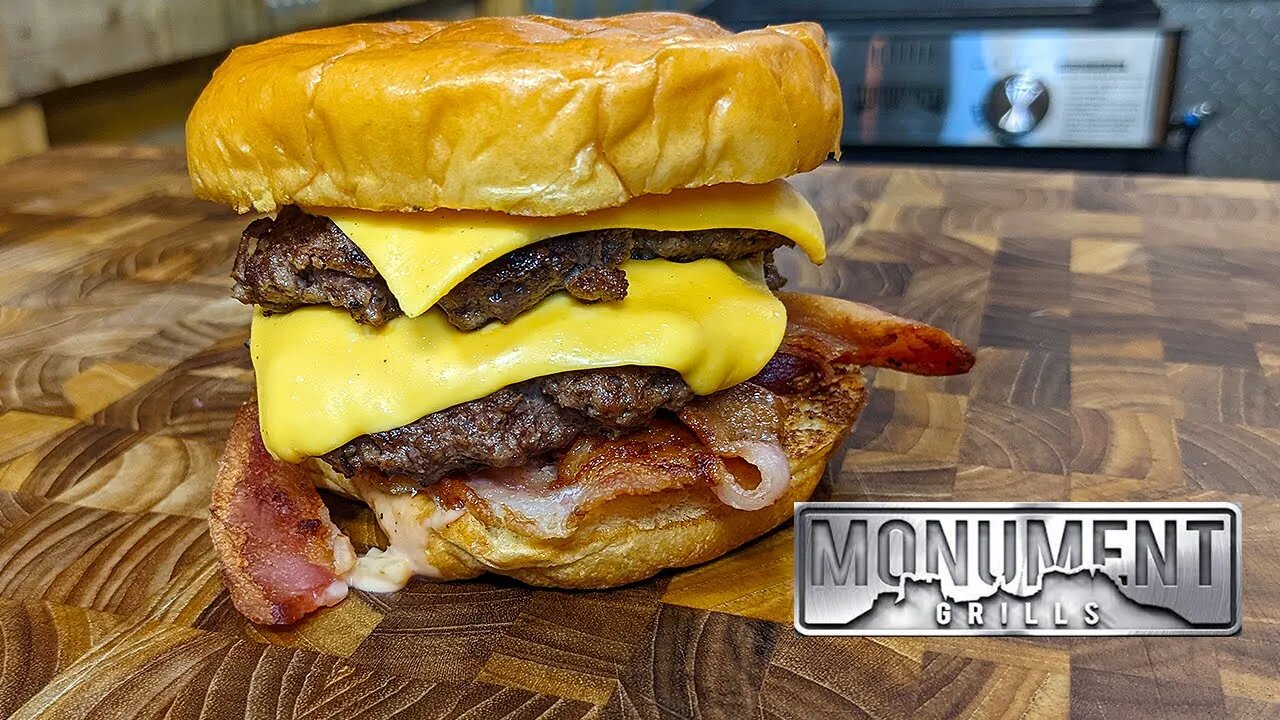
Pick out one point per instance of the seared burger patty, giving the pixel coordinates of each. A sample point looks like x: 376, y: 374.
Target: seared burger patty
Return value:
x: 516, y: 424
x: 300, y: 259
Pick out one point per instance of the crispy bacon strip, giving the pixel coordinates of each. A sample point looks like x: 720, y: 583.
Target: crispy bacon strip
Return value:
x: 743, y: 422
x: 549, y: 500
x: 823, y: 332
x: 282, y: 557
x: 874, y: 337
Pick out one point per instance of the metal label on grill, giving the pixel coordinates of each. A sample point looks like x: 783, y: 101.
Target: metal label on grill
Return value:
x: 1018, y: 569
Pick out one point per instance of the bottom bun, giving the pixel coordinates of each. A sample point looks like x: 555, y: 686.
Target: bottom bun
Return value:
x: 628, y: 540
x: 619, y: 541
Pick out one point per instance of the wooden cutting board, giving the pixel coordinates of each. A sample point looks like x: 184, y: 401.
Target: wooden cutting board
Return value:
x: 1128, y: 340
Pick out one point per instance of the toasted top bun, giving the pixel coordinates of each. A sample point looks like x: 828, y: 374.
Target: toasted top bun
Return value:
x: 528, y: 115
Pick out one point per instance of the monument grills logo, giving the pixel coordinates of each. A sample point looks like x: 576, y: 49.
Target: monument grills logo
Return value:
x: 1018, y: 569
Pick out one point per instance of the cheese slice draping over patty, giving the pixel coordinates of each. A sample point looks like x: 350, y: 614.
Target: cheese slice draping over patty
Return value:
x: 424, y: 255
x: 324, y: 379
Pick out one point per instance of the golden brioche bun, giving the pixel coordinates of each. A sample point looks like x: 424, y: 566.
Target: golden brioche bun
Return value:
x: 529, y: 115
x: 633, y: 537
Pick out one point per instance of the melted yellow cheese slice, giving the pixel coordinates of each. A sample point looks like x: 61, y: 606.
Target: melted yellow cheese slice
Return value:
x: 324, y: 380
x: 424, y: 255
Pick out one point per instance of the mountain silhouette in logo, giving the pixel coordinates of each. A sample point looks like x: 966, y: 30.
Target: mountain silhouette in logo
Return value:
x: 916, y: 610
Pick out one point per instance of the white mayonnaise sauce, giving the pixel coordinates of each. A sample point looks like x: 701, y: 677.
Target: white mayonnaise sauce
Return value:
x: 408, y: 521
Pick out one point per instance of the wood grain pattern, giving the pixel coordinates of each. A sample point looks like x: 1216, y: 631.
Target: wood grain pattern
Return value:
x: 22, y: 128
x: 1128, y: 340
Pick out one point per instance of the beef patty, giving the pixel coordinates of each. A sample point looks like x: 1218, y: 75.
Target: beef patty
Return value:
x: 516, y: 424
x: 301, y: 259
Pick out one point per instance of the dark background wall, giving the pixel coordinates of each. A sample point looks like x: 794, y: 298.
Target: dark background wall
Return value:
x: 1231, y: 57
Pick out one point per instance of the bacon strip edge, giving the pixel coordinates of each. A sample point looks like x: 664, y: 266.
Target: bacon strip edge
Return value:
x: 870, y: 336
x: 282, y: 557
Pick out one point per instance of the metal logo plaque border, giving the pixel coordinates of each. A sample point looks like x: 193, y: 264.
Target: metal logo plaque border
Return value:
x: 1234, y: 534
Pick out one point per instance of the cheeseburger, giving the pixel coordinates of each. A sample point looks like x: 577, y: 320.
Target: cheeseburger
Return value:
x: 514, y: 289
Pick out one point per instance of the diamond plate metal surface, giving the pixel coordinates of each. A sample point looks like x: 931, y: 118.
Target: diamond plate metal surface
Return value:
x: 1231, y: 57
